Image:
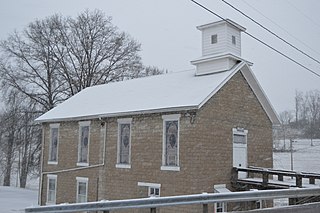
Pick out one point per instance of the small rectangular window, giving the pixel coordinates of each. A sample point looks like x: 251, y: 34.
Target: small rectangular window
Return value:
x: 214, y: 39
x: 82, y: 190
x: 154, y: 192
x: 54, y: 142
x: 124, y: 143
x: 219, y: 207
x: 84, y: 141
x: 234, y: 40
x: 239, y: 138
x: 51, y: 189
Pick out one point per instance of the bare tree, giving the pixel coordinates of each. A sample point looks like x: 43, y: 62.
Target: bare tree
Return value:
x: 151, y: 70
x: 51, y: 60
x: 313, y: 103
x: 308, y: 112
x: 54, y: 58
x: 28, y: 148
x: 298, y: 105
x: 8, y: 121
x: 19, y: 139
x: 286, y: 118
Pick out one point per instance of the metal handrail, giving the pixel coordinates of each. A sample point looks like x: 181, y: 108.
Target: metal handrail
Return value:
x: 153, y: 203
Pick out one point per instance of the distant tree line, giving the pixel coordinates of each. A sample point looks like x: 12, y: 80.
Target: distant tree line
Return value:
x: 304, y: 120
x: 46, y: 63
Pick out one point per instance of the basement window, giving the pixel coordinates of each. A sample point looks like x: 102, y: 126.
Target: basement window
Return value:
x: 214, y: 39
x: 153, y: 188
x: 154, y: 192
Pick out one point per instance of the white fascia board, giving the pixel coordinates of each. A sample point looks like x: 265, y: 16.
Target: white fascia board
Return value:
x: 224, y: 21
x: 120, y: 114
x: 255, y: 86
x: 219, y: 56
x: 260, y: 94
x: 235, y: 69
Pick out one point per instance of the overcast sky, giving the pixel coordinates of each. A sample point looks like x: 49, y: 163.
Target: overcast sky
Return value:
x: 167, y: 31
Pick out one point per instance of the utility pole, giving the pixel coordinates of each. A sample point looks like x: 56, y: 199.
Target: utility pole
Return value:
x: 291, y: 150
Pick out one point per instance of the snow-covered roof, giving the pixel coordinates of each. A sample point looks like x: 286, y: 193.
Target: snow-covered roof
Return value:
x: 161, y: 93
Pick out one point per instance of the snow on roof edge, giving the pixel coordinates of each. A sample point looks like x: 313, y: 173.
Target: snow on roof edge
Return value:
x: 119, y: 114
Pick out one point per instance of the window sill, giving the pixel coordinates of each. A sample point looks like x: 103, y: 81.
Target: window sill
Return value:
x: 50, y: 203
x: 123, y: 166
x: 170, y: 168
x: 82, y: 164
x: 53, y: 162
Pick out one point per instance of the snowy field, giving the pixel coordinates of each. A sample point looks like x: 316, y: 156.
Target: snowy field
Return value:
x: 305, y: 159
x: 14, y: 199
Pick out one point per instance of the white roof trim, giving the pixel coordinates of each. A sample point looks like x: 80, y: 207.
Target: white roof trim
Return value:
x: 219, y: 56
x: 260, y: 94
x: 120, y: 114
x: 255, y: 86
x: 234, y: 70
x: 228, y: 21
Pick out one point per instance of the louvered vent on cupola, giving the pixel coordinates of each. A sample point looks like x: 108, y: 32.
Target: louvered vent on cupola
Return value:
x: 221, y: 47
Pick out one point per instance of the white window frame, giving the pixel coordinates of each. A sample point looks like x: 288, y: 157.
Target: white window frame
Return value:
x: 220, y: 206
x: 220, y: 188
x: 214, y: 39
x: 51, y: 177
x: 154, y: 190
x: 240, y: 131
x: 83, y: 124
x: 51, y: 126
x: 82, y: 180
x: 172, y: 117
x: 120, y: 122
x: 151, y: 186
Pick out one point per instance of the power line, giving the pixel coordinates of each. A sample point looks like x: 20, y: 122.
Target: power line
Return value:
x: 297, y: 39
x: 257, y: 39
x: 291, y: 45
x: 303, y: 14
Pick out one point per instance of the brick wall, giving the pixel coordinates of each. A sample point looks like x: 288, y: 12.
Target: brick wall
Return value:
x: 205, y: 149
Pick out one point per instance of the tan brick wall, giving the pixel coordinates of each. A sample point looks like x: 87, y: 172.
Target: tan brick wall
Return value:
x: 205, y: 148
x: 67, y: 160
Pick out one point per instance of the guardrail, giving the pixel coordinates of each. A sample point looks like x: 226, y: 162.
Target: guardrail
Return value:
x: 158, y: 202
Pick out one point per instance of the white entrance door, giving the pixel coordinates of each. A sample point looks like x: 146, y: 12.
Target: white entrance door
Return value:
x: 240, y: 150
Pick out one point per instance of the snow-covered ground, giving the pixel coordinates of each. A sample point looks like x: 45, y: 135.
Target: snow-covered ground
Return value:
x: 305, y: 159
x: 14, y: 199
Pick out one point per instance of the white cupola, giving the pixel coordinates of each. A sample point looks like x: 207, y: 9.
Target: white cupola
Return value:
x: 221, y: 47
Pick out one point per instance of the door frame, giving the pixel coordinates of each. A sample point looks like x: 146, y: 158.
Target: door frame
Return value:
x: 244, y: 145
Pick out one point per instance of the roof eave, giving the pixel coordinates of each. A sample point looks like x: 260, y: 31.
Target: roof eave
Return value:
x: 118, y: 114
x: 219, y: 56
x: 257, y: 89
